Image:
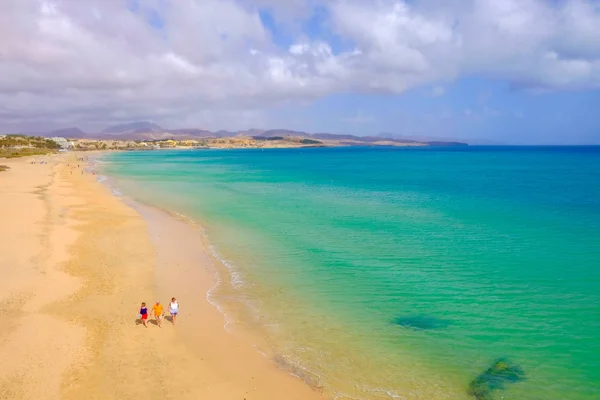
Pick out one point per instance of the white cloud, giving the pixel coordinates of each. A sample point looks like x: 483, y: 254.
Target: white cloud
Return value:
x: 93, y: 62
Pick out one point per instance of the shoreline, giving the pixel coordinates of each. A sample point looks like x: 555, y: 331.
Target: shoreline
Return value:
x: 248, y: 319
x: 222, y: 278
x: 79, y: 260
x: 264, y: 332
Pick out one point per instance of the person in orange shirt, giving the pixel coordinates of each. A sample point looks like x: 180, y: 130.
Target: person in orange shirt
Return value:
x: 157, y: 310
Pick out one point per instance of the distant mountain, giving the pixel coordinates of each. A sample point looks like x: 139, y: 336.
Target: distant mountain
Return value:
x: 438, y: 143
x: 133, y: 127
x: 323, y: 136
x: 74, y: 133
x: 221, y: 133
x: 145, y: 130
x: 250, y: 132
x: 432, y: 139
x: 193, y: 132
x: 360, y: 139
x: 278, y: 132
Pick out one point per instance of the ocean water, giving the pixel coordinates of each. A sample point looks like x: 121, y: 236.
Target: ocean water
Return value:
x: 403, y: 273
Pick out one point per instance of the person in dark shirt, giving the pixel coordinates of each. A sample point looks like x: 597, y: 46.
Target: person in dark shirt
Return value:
x: 144, y: 314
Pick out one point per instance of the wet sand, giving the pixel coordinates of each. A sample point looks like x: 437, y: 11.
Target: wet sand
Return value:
x: 76, y: 263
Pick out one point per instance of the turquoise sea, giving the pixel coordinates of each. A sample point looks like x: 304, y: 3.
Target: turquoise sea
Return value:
x: 403, y: 273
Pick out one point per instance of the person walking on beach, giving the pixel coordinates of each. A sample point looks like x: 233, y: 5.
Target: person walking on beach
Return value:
x: 157, y: 310
x: 173, y: 309
x: 144, y: 314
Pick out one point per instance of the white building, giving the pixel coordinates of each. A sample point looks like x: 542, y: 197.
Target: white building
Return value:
x: 64, y: 143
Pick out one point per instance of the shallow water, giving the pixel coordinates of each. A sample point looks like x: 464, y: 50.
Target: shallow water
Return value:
x: 403, y: 273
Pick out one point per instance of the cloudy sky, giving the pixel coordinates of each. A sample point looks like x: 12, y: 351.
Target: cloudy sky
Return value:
x: 514, y: 71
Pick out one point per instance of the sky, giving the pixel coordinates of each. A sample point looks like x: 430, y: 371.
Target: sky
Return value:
x: 506, y: 71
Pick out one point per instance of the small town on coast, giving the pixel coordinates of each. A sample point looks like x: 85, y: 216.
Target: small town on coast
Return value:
x: 21, y: 143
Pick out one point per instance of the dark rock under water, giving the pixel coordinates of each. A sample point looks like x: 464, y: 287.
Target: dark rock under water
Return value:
x: 496, y: 377
x: 422, y: 322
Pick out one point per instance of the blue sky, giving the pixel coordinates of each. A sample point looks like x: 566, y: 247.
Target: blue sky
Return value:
x: 471, y: 108
x: 506, y: 71
x: 477, y: 109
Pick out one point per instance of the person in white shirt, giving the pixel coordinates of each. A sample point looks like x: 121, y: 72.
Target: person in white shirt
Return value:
x: 173, y: 309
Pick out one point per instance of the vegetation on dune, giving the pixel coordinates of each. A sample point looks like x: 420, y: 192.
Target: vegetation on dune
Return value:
x: 15, y: 153
x: 28, y: 141
x: 12, y: 146
x: 267, y: 138
x: 4, y: 168
x: 310, y: 141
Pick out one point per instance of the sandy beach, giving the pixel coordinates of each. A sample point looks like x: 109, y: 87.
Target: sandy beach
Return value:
x: 76, y: 262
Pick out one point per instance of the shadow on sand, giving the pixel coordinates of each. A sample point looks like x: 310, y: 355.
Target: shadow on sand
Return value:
x: 148, y: 321
x: 152, y: 321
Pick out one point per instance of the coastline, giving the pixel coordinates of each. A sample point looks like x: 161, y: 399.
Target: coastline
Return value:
x: 77, y: 261
x: 251, y: 322
x: 261, y: 225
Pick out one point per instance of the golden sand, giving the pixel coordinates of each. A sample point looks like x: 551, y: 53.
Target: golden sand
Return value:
x: 76, y: 262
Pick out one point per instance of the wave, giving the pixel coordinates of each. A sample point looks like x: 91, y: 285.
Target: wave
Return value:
x: 236, y: 278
